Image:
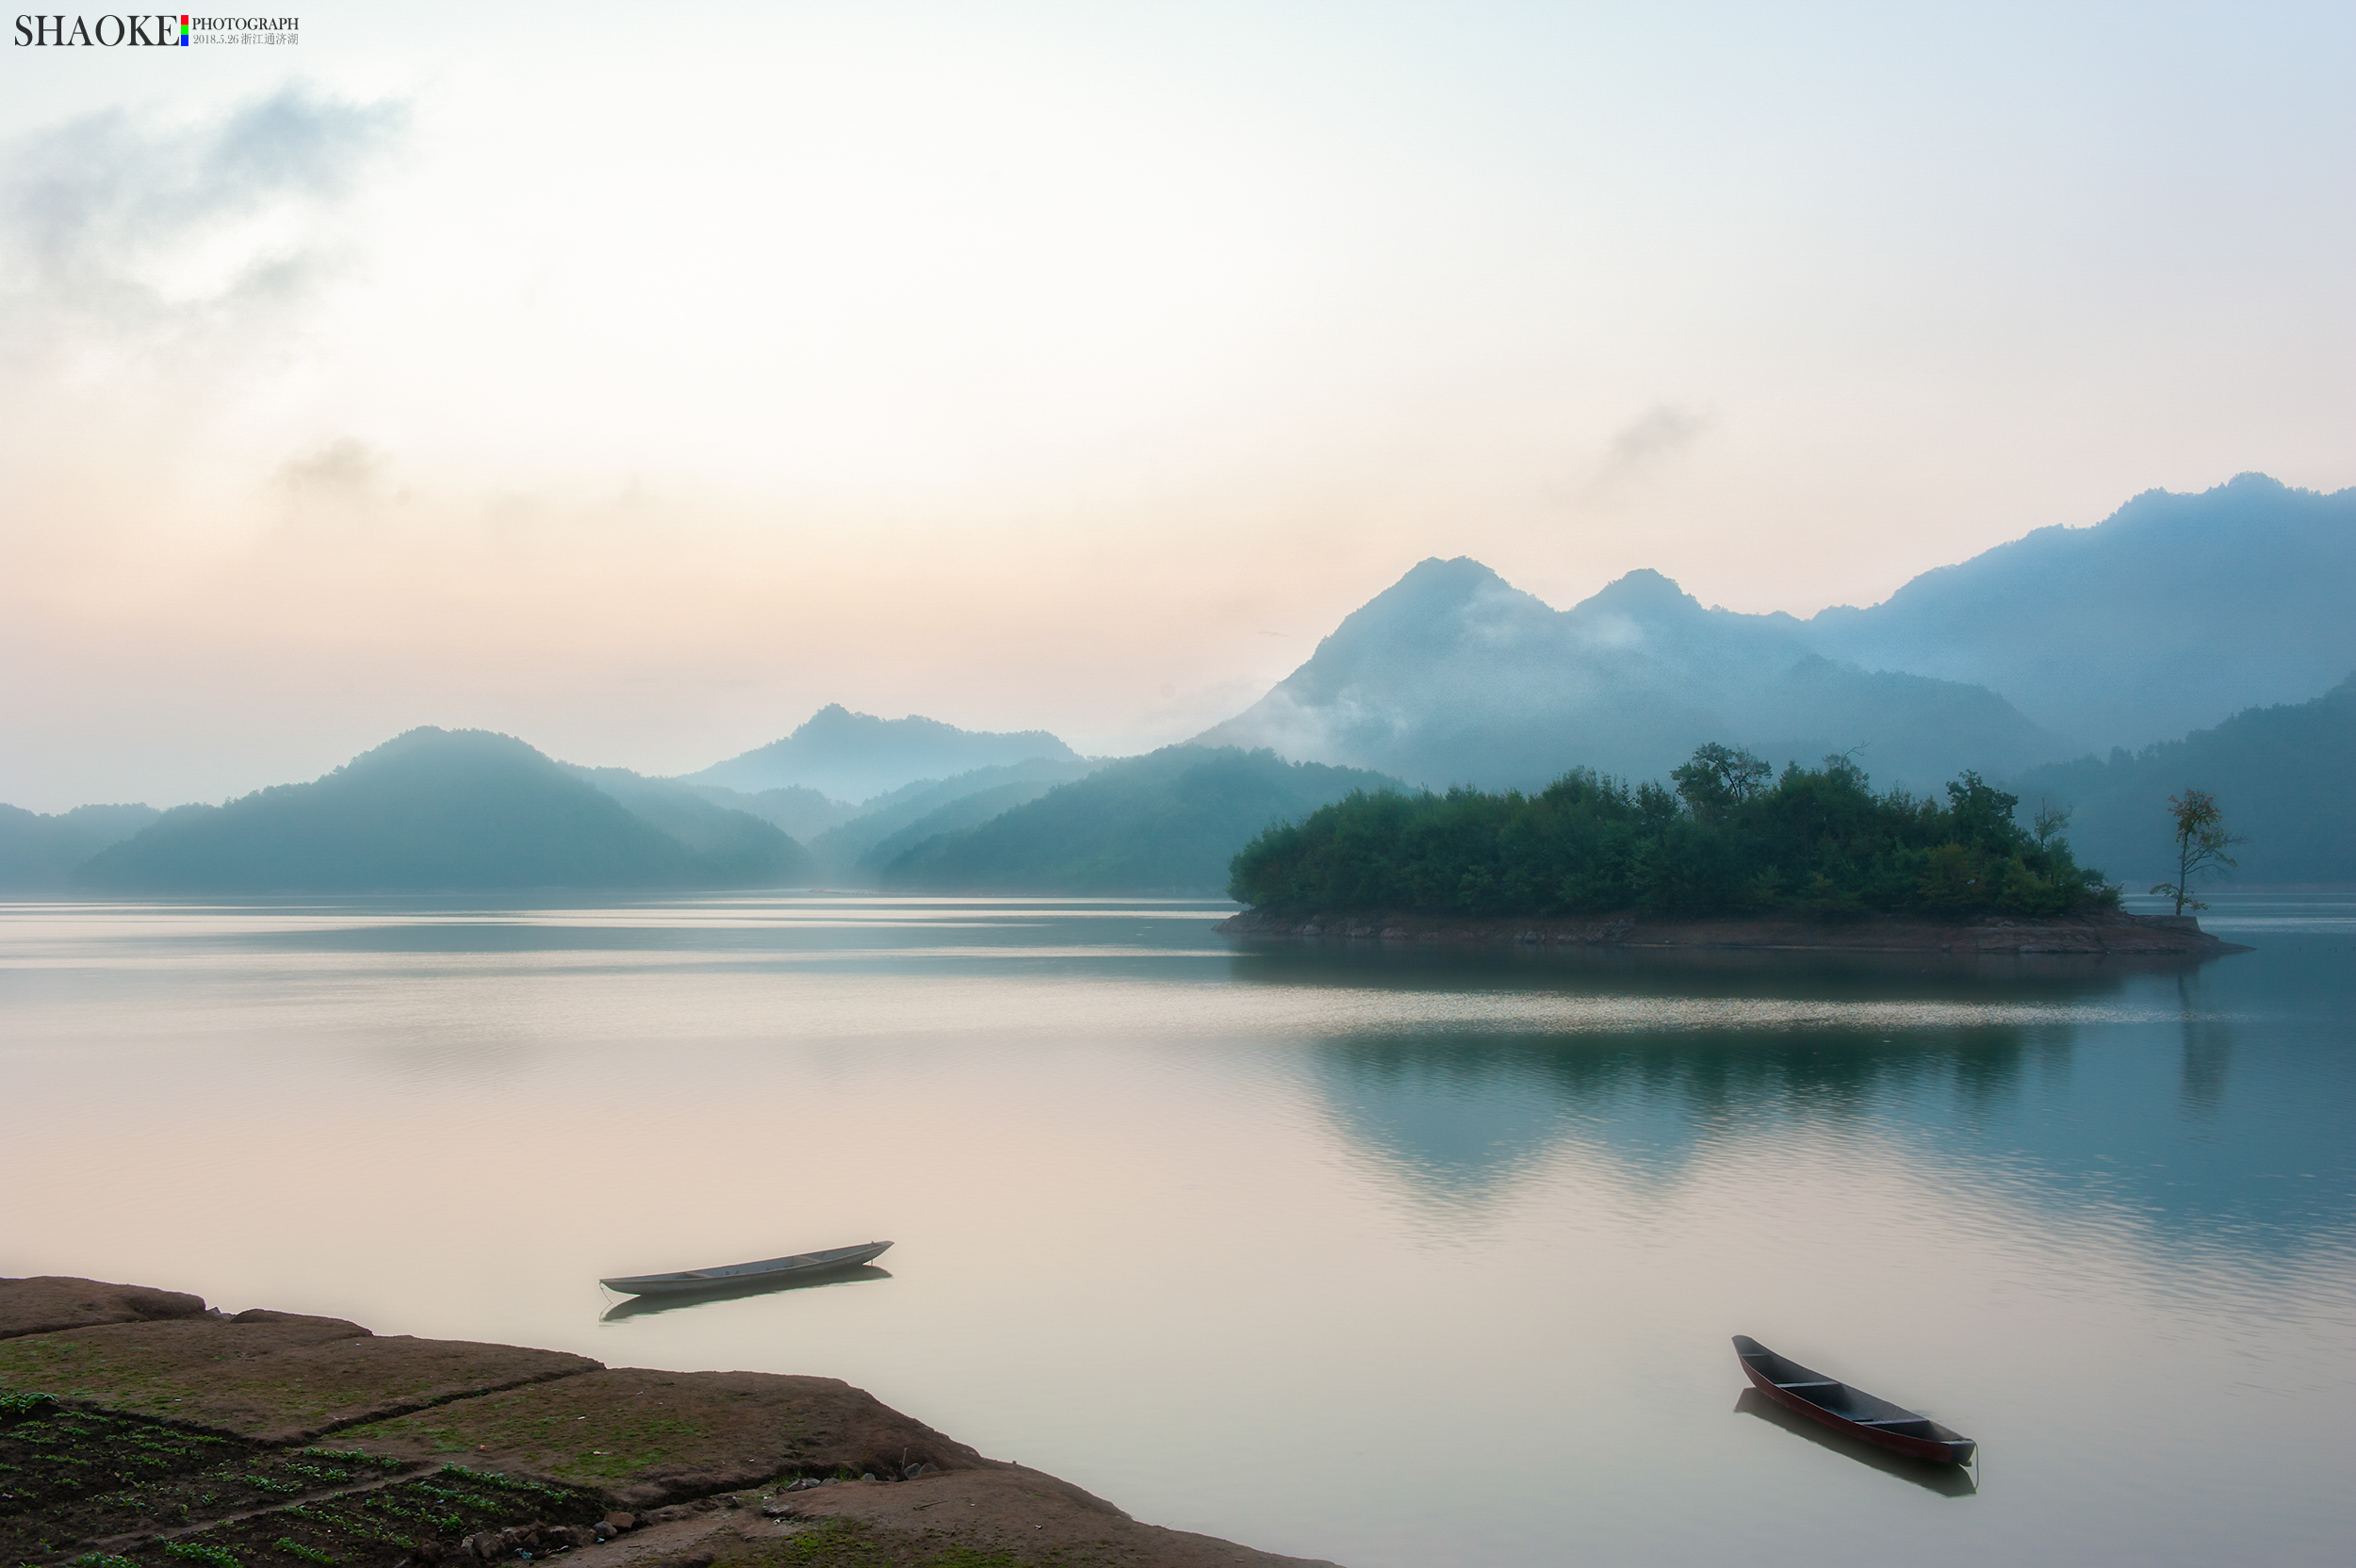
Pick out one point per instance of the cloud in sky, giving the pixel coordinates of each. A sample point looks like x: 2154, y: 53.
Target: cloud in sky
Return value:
x: 1013, y: 365
x: 115, y: 220
x: 340, y: 468
x: 1652, y: 438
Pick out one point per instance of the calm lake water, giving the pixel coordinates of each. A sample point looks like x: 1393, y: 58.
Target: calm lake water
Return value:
x: 1396, y: 1261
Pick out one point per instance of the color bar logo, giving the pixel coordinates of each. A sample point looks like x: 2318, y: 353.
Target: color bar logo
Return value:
x: 150, y: 29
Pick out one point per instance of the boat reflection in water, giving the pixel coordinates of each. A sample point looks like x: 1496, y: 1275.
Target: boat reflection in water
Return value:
x: 638, y: 1306
x: 1948, y: 1480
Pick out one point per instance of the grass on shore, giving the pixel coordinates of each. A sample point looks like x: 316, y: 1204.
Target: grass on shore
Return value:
x: 842, y: 1542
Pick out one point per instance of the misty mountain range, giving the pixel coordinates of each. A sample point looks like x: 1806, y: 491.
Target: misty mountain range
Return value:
x: 1454, y: 676
x: 1167, y: 822
x: 2176, y: 612
x: 854, y: 756
x: 2283, y: 773
x: 2170, y: 614
x: 2224, y: 610
x: 438, y: 810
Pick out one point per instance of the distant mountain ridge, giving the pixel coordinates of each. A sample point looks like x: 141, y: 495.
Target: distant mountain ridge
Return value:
x: 2172, y: 614
x: 857, y: 756
x: 444, y: 810
x: 794, y: 809
x: 2281, y: 773
x: 1167, y: 822
x: 734, y: 843
x: 2169, y: 615
x: 848, y: 853
x: 39, y: 853
x: 1453, y: 676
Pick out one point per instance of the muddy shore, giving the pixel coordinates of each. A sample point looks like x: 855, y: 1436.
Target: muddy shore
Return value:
x: 140, y: 1429
x: 2108, y: 934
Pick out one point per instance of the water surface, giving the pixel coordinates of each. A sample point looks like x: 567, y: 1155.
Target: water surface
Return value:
x: 1391, y: 1260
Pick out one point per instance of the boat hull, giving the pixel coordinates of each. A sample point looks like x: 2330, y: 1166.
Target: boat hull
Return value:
x: 1938, y: 1444
x: 801, y: 1265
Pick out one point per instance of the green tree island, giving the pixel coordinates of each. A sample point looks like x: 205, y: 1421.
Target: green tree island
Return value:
x: 1729, y: 840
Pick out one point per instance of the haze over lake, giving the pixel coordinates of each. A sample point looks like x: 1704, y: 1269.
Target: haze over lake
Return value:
x: 1389, y: 1262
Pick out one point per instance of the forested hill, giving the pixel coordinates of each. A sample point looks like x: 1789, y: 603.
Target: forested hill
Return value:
x: 1731, y: 839
x: 38, y: 853
x: 1166, y: 822
x: 2281, y: 775
x: 434, y: 810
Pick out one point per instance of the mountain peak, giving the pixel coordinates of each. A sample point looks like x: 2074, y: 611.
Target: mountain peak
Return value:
x: 1644, y: 591
x: 1434, y: 587
x: 852, y: 756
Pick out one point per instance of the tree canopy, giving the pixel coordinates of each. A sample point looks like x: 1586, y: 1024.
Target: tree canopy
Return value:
x: 2202, y: 845
x: 1729, y: 839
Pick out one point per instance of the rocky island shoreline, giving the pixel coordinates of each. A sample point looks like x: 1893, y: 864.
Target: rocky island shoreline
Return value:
x: 140, y: 1429
x: 2108, y: 933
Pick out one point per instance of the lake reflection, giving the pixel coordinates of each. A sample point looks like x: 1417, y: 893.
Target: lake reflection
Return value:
x: 1387, y: 1258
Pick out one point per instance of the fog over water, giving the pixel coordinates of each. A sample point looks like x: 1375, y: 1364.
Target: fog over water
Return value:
x: 1391, y: 1260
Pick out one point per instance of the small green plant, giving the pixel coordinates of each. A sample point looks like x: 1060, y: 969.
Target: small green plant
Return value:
x: 342, y: 1524
x: 102, y: 1559
x: 505, y: 1483
x: 447, y: 1523
x: 268, y: 1485
x: 353, y: 1456
x: 196, y: 1551
x: 292, y: 1547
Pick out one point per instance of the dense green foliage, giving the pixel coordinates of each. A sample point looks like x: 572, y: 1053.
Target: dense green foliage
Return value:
x: 1168, y: 822
x: 438, y: 810
x: 2280, y: 774
x: 1729, y: 839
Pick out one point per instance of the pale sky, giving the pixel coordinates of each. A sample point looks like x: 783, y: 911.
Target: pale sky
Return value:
x: 638, y: 379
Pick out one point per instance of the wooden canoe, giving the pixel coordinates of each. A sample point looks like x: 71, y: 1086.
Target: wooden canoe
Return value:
x: 801, y: 1265
x: 1849, y: 1409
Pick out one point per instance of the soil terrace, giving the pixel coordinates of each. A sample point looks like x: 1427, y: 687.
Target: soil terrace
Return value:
x: 138, y: 1429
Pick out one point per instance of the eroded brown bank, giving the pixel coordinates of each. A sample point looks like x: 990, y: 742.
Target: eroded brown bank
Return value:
x: 139, y: 1426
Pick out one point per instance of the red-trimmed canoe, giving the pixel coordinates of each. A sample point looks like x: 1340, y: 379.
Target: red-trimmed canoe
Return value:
x: 1849, y: 1409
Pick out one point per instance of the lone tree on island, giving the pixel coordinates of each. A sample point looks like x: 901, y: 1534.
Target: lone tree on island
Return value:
x: 2201, y: 843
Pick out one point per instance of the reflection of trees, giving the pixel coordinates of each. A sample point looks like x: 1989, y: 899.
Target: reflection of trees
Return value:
x: 1458, y: 1112
x: 1698, y: 973
x: 2208, y: 1049
x: 2080, y: 1118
